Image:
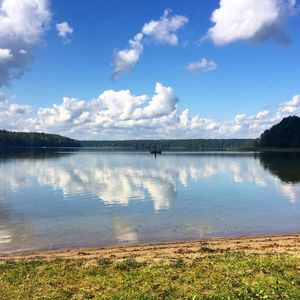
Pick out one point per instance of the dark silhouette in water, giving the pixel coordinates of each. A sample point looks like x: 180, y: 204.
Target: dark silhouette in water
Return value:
x: 155, y: 151
x: 285, y: 165
x: 33, y: 153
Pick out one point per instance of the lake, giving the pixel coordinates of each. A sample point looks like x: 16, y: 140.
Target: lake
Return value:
x: 63, y: 199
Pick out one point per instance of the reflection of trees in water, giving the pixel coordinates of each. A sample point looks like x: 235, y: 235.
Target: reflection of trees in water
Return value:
x: 7, y: 154
x: 121, y: 178
x: 286, y: 166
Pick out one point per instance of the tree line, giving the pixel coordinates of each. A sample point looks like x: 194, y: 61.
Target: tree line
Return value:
x: 285, y: 134
x: 34, y: 139
x: 174, y: 144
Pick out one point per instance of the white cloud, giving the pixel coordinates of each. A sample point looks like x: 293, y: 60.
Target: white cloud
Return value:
x: 196, y: 123
x: 162, y: 31
x: 13, y: 116
x: 22, y: 25
x: 125, y: 59
x: 64, y: 30
x: 202, y: 65
x: 262, y: 114
x: 254, y: 20
x: 22, y: 51
x: 291, y: 106
x: 111, y: 111
x: 164, y: 102
x: 240, y: 118
x: 5, y: 55
x: 123, y: 115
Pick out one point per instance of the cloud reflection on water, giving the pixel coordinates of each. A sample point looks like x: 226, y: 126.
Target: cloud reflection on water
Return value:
x: 124, y: 178
x: 216, y: 193
x: 15, y: 231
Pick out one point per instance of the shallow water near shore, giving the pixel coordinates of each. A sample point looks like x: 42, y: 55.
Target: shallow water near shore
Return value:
x: 63, y: 199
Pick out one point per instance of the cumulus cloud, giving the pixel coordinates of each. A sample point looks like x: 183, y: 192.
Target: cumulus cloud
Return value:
x: 22, y: 25
x: 164, y: 102
x: 251, y: 125
x: 120, y: 114
x: 254, y: 20
x: 262, y: 114
x: 125, y: 59
x: 112, y: 110
x: 162, y: 31
x: 196, y: 123
x: 64, y: 31
x: 290, y: 107
x: 202, y: 65
x: 13, y: 116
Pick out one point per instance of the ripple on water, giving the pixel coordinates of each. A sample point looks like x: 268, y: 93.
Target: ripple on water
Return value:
x: 92, y: 199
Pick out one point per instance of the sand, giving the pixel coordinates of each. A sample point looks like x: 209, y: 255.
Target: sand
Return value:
x: 188, y: 250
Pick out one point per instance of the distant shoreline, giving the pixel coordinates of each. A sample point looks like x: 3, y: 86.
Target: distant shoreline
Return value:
x: 166, y: 251
x: 132, y: 149
x: 283, y: 135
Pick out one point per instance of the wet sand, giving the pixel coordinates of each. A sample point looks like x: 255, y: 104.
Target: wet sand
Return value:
x: 188, y: 250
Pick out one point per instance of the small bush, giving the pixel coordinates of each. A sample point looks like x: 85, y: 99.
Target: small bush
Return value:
x: 206, y: 249
x: 104, y: 262
x: 179, y: 263
x: 129, y: 264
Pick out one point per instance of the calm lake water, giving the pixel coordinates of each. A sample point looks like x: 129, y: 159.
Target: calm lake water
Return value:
x: 62, y: 199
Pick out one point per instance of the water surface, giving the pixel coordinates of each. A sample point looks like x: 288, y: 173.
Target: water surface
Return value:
x: 63, y: 199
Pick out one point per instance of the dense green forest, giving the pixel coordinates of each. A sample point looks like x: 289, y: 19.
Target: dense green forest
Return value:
x: 33, y: 139
x: 174, y: 145
x: 22, y: 139
x: 285, y: 134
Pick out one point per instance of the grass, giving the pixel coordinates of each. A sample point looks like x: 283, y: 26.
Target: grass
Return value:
x: 213, y: 276
x: 207, y: 249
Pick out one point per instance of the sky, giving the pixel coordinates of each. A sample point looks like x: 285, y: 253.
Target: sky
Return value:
x: 148, y: 69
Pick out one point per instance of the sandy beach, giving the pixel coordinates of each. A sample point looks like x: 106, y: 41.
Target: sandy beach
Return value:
x: 187, y: 250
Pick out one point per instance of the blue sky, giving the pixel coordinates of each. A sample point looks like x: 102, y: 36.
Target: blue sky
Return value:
x: 255, y: 69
